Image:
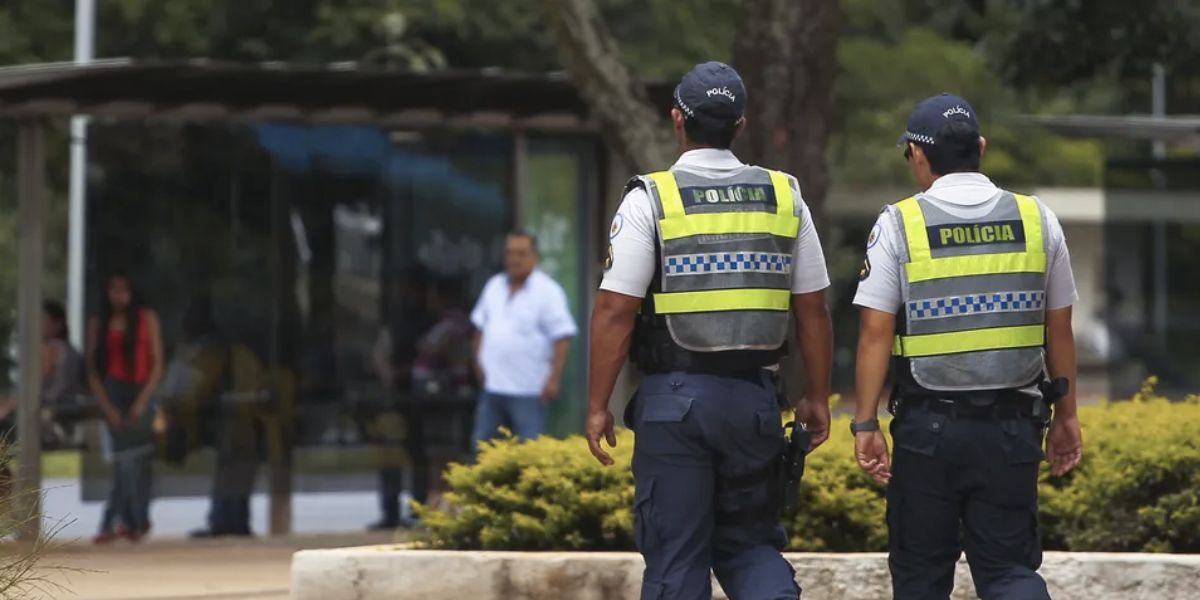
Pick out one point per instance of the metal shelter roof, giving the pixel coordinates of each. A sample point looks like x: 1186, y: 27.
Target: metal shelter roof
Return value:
x: 339, y: 93
x: 200, y: 90
x: 1176, y: 128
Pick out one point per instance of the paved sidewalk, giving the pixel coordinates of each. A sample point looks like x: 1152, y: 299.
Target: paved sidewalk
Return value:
x: 183, y: 570
x: 312, y: 513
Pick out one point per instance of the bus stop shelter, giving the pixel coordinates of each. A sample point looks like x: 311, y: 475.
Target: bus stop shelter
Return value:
x: 206, y: 91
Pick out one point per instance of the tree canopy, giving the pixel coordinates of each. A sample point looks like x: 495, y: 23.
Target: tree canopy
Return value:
x: 1006, y: 56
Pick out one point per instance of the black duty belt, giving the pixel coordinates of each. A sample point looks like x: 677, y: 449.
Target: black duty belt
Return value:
x: 958, y: 408
x: 752, y: 375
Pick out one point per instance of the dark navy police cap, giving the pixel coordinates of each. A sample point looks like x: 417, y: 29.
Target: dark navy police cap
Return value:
x: 933, y: 113
x: 712, y: 92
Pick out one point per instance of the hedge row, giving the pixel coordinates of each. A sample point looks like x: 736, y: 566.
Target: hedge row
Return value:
x: 1138, y: 489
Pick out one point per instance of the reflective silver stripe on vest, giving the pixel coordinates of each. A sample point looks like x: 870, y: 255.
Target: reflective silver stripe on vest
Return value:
x: 972, y: 303
x: 726, y: 261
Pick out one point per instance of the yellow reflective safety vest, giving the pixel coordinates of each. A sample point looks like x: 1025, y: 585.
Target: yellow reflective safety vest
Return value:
x: 725, y: 258
x: 974, y: 295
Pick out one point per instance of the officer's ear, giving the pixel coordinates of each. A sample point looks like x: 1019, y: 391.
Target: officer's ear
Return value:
x: 982, y: 145
x: 916, y: 155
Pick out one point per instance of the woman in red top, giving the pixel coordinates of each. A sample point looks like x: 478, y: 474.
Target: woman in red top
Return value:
x: 124, y: 365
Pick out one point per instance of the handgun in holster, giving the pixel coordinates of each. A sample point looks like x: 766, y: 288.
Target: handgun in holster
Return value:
x: 791, y: 463
x: 795, y: 450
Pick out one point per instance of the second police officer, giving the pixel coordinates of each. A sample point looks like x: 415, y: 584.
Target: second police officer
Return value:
x: 969, y: 288
x: 707, y: 262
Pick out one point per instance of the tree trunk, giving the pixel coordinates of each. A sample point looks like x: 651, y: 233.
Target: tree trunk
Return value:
x: 787, y: 56
x: 613, y: 94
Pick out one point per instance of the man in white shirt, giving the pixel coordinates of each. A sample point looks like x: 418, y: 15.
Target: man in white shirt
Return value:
x: 523, y: 330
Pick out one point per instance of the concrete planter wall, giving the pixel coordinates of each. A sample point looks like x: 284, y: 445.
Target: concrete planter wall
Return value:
x: 396, y: 573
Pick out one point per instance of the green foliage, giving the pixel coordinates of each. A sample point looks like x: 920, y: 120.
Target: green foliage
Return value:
x: 547, y: 494
x: 1138, y: 488
x: 885, y: 74
x: 1052, y: 42
x: 550, y: 494
x: 841, y: 509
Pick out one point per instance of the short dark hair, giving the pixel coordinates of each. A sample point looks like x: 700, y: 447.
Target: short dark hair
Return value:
x: 956, y: 150
x: 54, y: 309
x: 533, y: 241
x: 710, y: 133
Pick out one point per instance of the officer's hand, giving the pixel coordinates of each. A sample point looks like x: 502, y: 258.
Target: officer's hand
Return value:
x: 871, y: 451
x: 1064, y: 444
x: 551, y: 389
x: 600, y: 425
x: 815, y: 416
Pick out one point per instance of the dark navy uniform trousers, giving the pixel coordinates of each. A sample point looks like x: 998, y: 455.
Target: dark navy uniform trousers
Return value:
x: 964, y: 484
x: 693, y: 432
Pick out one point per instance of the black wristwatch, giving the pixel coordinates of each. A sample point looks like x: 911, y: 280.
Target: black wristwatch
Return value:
x: 869, y: 425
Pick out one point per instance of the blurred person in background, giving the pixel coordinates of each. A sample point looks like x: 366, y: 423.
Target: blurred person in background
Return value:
x: 238, y: 441
x: 443, y: 363
x: 392, y: 359
x: 523, y: 331
x: 206, y: 393
x: 192, y: 381
x: 62, y: 372
x: 442, y: 371
x: 124, y: 366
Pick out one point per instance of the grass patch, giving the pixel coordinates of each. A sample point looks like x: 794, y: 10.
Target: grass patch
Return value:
x: 61, y: 464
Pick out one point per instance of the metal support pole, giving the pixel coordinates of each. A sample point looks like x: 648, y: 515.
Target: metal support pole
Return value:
x: 1160, y: 316
x: 85, y: 28
x: 279, y: 474
x: 520, y: 166
x: 30, y: 185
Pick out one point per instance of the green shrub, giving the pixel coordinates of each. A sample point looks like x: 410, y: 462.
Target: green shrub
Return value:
x: 1137, y: 489
x: 546, y: 494
x: 841, y: 509
x: 550, y: 494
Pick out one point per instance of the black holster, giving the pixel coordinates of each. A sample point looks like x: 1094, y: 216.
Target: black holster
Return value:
x: 792, y: 463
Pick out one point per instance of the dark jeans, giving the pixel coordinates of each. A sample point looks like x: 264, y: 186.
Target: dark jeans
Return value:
x: 233, y: 483
x: 695, y: 434
x: 129, y: 497
x: 525, y: 416
x: 964, y: 484
x: 229, y: 515
x: 133, y: 457
x: 391, y: 485
x: 237, y: 449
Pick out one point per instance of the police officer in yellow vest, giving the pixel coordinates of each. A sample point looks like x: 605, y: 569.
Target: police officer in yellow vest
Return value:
x: 968, y: 288
x: 707, y: 262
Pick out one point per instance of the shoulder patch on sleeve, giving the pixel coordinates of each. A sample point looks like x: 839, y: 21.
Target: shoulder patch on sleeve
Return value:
x: 618, y: 223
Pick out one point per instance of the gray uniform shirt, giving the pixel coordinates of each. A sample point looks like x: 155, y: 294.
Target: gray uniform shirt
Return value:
x: 964, y: 195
